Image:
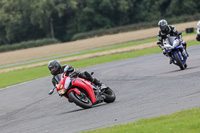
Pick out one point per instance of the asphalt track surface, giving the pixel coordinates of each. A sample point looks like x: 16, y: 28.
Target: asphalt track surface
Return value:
x: 145, y: 87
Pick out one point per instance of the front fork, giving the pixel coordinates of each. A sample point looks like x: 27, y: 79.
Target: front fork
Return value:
x: 181, y: 55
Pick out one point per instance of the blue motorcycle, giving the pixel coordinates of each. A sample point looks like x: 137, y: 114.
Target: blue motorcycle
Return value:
x: 175, y: 50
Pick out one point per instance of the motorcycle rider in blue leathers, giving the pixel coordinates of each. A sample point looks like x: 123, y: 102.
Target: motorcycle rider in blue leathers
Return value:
x: 169, y: 30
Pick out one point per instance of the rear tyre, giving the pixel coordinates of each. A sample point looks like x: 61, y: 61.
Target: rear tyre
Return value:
x: 109, y: 95
x: 80, y: 100
x: 179, y: 61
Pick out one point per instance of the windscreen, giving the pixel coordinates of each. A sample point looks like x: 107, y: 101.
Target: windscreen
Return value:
x: 170, y: 40
x: 58, y: 77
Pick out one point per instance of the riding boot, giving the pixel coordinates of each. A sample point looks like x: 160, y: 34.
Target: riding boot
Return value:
x: 185, y: 52
x: 184, y: 48
x: 96, y: 82
x: 99, y: 84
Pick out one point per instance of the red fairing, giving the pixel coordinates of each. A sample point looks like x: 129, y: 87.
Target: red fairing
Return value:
x: 61, y: 85
x: 75, y: 90
x: 86, y: 86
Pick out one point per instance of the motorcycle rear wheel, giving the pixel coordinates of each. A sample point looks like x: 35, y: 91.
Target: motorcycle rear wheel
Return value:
x: 110, y: 95
x: 80, y: 100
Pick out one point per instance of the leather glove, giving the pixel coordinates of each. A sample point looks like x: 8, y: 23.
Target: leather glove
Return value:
x: 159, y: 43
x: 66, y: 70
x: 72, y: 74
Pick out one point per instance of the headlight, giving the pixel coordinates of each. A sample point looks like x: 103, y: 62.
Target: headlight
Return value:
x: 168, y: 48
x: 61, y: 92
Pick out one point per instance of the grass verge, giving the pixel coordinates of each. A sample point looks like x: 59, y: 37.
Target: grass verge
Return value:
x: 187, y: 121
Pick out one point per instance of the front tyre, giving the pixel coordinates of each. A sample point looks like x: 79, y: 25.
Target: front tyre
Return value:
x: 109, y: 95
x: 179, y: 61
x: 80, y: 100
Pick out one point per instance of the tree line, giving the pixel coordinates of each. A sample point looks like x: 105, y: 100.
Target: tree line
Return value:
x: 23, y: 20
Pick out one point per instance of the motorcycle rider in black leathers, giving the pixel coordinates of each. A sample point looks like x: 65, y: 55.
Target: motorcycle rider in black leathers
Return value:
x: 55, y: 68
x: 169, y: 30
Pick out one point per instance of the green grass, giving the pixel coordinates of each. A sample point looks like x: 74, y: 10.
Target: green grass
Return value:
x: 192, y: 43
x: 19, y: 76
x: 187, y: 34
x: 187, y: 121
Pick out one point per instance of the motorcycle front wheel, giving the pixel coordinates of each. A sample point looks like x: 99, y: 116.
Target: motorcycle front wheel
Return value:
x: 179, y: 61
x: 80, y: 100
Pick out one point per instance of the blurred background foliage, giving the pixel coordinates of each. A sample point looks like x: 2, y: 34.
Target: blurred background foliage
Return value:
x: 67, y: 20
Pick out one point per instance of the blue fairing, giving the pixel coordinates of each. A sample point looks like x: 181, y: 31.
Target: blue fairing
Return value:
x: 177, y: 50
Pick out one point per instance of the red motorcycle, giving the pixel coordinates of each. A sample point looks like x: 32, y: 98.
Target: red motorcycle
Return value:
x: 82, y: 92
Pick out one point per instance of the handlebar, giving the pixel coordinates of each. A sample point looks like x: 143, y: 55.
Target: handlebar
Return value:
x: 51, y: 91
